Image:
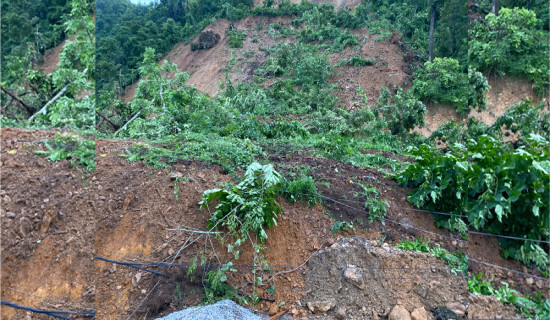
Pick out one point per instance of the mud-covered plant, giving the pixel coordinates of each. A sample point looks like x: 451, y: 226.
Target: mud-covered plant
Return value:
x: 79, y: 151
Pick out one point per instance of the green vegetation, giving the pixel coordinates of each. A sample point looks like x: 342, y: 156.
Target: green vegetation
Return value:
x: 65, y: 97
x: 291, y: 106
x: 357, y: 61
x: 29, y: 28
x: 512, y: 43
x: 457, y: 261
x: 499, y: 189
x: 376, y: 206
x: 245, y: 208
x: 236, y: 38
x: 443, y: 82
x: 81, y: 152
x: 529, y: 306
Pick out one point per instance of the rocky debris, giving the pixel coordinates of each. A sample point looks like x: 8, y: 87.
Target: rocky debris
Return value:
x: 340, y: 313
x: 207, y: 40
x: 419, y: 314
x: 488, y: 307
x: 399, y: 313
x: 321, y: 306
x: 354, y: 276
x: 364, y: 281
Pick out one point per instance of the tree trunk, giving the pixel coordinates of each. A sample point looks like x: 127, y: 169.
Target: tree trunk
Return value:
x: 494, y: 10
x: 432, y: 21
x: 527, y: 4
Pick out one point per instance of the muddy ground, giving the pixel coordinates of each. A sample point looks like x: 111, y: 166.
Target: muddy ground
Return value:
x: 57, y: 219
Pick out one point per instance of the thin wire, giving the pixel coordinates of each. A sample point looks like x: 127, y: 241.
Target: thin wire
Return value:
x: 51, y: 313
x: 380, y: 217
x: 503, y: 268
x: 507, y: 237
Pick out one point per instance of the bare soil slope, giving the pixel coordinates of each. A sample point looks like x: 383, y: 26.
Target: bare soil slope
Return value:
x: 205, y: 67
x: 504, y: 92
x: 55, y: 220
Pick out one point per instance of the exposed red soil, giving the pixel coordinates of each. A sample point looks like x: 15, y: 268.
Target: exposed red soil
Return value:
x: 504, y: 92
x: 50, y: 59
x: 205, y: 67
x: 122, y: 212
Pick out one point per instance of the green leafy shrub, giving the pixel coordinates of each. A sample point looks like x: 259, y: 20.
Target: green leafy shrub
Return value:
x: 375, y: 206
x: 81, y: 152
x: 511, y: 43
x: 500, y: 190
x: 402, y: 112
x: 443, y: 82
x: 302, y: 188
x: 476, y: 90
x: 357, y: 61
x: 236, y: 38
x: 249, y: 206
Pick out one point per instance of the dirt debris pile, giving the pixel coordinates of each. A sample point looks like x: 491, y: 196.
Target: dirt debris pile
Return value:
x: 357, y: 279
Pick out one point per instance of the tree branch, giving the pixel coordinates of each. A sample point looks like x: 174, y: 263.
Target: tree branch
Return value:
x: 116, y: 127
x: 59, y: 94
x: 29, y: 109
x: 124, y: 126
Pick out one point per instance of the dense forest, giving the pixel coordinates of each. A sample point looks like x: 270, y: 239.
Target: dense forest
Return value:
x: 124, y: 30
x: 491, y: 178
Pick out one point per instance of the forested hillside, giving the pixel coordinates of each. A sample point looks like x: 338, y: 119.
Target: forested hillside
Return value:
x: 125, y: 30
x: 64, y: 97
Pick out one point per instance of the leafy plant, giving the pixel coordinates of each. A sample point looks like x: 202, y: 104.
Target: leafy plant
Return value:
x: 457, y: 261
x: 444, y: 82
x: 402, y: 112
x: 236, y: 38
x: 512, y: 43
x: 341, y: 226
x: 302, y: 188
x: 248, y: 207
x: 499, y: 189
x: 71, y: 147
x: 529, y: 306
x: 357, y: 61
x: 375, y: 206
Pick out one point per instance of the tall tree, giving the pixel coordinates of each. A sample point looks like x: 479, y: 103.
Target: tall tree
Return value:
x: 494, y: 9
x: 432, y: 22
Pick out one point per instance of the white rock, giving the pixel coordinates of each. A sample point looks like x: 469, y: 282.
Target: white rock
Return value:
x: 457, y: 308
x: 419, y: 314
x: 399, y: 313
